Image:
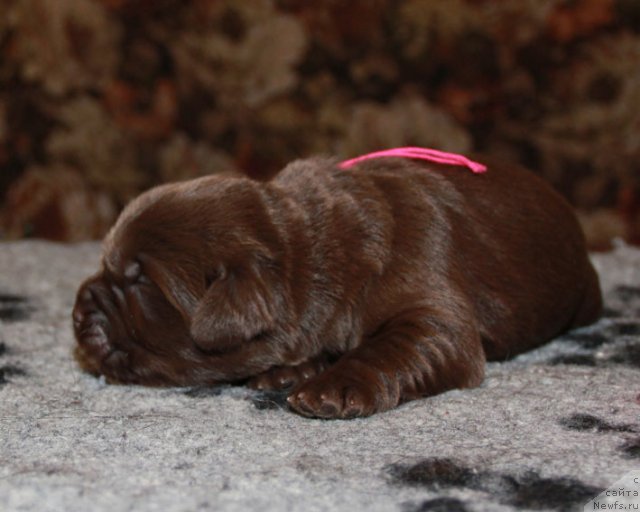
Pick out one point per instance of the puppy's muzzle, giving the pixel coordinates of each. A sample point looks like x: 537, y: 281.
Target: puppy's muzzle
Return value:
x: 94, y: 324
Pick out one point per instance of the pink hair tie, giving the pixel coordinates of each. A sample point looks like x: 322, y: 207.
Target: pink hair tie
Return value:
x: 431, y: 155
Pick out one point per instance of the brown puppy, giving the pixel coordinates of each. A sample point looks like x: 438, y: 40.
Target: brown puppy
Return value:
x: 361, y: 288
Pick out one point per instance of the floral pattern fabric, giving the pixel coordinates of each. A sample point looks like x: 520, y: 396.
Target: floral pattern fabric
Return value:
x: 100, y: 99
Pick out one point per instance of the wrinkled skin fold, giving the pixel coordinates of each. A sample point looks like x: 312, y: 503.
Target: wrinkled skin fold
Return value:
x: 355, y: 289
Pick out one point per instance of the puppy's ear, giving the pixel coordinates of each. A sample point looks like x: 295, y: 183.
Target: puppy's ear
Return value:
x: 241, y: 302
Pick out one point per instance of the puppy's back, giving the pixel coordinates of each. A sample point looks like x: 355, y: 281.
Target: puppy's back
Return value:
x: 504, y: 238
x: 513, y: 244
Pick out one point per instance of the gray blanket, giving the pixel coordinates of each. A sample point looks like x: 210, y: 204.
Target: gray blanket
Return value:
x: 546, y: 431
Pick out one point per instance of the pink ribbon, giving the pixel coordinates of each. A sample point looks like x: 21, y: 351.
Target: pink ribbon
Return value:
x: 432, y: 155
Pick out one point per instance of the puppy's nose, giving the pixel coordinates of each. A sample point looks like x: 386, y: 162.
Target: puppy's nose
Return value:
x: 95, y: 341
x: 132, y: 271
x: 83, y: 306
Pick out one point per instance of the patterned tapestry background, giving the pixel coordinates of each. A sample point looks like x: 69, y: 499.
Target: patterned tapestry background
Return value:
x: 100, y: 99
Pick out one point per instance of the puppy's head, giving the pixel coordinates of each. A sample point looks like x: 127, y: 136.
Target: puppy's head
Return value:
x: 191, y: 288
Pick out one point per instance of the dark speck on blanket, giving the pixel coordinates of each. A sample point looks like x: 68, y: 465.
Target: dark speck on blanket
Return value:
x: 14, y: 308
x: 526, y: 490
x: 631, y: 448
x: 589, y: 423
x: 444, y: 504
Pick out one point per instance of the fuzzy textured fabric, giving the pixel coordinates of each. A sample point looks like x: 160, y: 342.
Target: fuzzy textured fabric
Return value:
x: 546, y: 431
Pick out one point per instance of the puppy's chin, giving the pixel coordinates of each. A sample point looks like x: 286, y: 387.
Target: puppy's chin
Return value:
x: 114, y: 367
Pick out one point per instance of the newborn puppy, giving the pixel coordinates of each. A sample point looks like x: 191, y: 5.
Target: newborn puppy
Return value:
x: 359, y: 288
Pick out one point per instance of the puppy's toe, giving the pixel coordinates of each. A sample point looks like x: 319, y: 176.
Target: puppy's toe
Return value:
x: 354, y: 403
x: 282, y: 377
x: 323, y: 405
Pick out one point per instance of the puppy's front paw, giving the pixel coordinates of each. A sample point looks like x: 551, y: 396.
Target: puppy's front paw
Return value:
x: 283, y: 377
x: 333, y: 395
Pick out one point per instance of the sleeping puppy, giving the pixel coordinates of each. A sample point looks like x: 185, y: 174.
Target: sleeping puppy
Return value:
x: 356, y: 288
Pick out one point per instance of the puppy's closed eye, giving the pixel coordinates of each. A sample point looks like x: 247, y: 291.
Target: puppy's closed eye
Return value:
x: 135, y: 275
x: 133, y: 272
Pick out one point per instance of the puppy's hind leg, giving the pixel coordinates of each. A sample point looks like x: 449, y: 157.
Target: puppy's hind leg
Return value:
x: 591, y: 307
x: 422, y: 351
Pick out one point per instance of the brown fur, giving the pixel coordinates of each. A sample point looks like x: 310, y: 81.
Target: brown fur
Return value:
x: 360, y: 288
